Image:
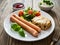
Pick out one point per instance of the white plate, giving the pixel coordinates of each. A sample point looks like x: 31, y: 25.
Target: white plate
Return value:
x: 29, y: 37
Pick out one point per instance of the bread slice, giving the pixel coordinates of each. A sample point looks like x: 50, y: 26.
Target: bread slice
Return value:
x: 43, y: 22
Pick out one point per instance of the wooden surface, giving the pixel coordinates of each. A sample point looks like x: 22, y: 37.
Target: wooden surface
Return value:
x: 5, y: 39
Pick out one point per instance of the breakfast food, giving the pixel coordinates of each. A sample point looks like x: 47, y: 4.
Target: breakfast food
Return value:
x: 38, y: 29
x: 26, y: 27
x: 30, y: 20
x: 43, y: 22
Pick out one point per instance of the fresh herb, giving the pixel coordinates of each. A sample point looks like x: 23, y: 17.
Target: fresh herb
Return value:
x: 18, y: 29
x: 51, y: 3
x: 28, y: 17
x: 29, y: 8
x: 30, y: 14
x: 48, y: 2
x: 15, y: 27
x: 21, y: 32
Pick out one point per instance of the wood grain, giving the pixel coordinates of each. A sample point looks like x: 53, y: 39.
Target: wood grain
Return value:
x: 7, y: 40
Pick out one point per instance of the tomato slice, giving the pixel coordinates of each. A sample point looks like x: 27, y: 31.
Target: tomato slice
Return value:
x: 21, y: 12
x: 30, y: 12
x: 37, y: 13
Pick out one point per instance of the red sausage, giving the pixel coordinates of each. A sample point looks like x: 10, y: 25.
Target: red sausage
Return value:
x: 26, y: 27
x: 38, y: 29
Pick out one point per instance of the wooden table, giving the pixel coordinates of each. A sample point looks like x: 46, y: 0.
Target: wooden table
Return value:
x: 5, y: 39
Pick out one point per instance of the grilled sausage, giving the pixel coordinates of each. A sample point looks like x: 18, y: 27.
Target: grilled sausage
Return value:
x: 38, y: 29
x: 26, y: 27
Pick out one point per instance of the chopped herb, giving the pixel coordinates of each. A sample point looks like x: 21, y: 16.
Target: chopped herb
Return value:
x: 48, y: 2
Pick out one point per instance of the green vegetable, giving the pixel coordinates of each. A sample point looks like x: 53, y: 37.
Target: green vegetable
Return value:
x: 18, y: 28
x: 51, y: 3
x: 15, y: 27
x: 48, y: 2
x: 25, y: 11
x: 21, y: 32
x: 28, y: 17
x: 29, y: 8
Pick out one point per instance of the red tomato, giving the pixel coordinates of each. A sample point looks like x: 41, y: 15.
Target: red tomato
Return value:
x: 30, y: 11
x: 21, y: 12
x: 37, y: 14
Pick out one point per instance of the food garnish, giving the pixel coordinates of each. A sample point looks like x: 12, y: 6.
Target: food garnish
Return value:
x: 15, y: 27
x: 21, y: 32
x: 29, y: 14
x: 18, y: 29
x: 46, y: 2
